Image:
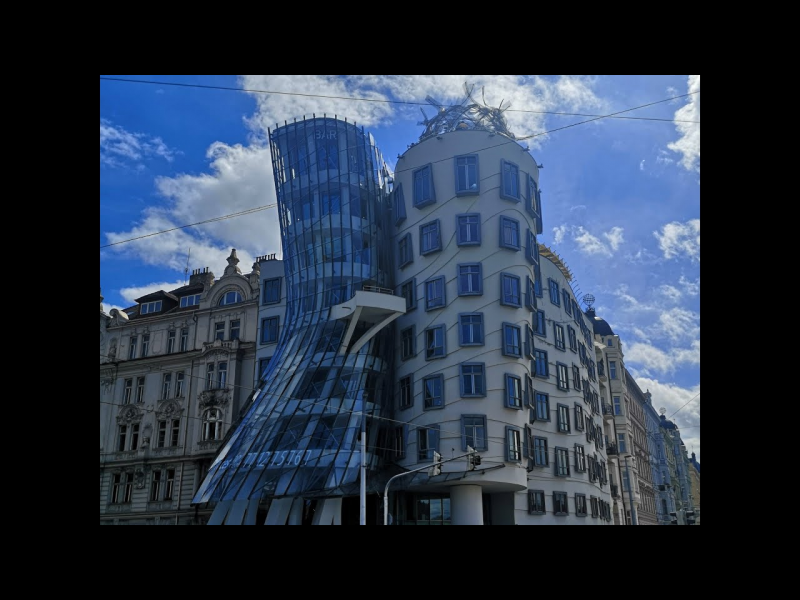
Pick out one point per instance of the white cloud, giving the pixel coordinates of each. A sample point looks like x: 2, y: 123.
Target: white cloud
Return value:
x: 690, y: 287
x: 688, y: 144
x: 614, y: 237
x: 641, y: 165
x: 240, y: 178
x: 131, y: 293
x: 670, y: 292
x: 558, y: 233
x: 656, y: 360
x: 676, y: 239
x: 117, y: 146
x: 678, y: 323
x: 590, y: 244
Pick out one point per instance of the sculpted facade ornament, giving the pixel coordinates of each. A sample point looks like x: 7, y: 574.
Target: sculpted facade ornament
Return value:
x: 129, y: 414
x: 168, y: 409
x: 218, y: 397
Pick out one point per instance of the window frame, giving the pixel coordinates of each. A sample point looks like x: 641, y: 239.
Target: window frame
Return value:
x: 561, y: 462
x: 412, y: 330
x: 507, y: 350
x: 411, y: 303
x: 510, y: 382
x: 407, y: 243
x: 266, y: 328
x: 557, y: 503
x: 537, y: 396
x: 503, y: 221
x: 510, y: 277
x: 440, y: 378
x: 558, y: 335
x: 514, y: 173
x: 469, y: 191
x: 534, y: 507
x: 267, y: 282
x: 513, y: 455
x: 538, y: 355
x: 562, y: 377
x: 481, y: 373
x: 555, y: 291
x: 237, y: 329
x: 578, y: 511
x: 399, y: 205
x: 223, y: 300
x: 460, y: 241
x: 438, y: 247
x: 431, y: 446
x: 409, y: 379
x: 421, y: 203
x: 461, y: 341
x: 540, y: 449
x: 563, y: 418
x: 541, y: 319
x: 434, y: 328
x: 580, y: 458
x: 439, y: 279
x: 573, y: 338
x: 579, y: 417
x: 485, y: 446
x: 461, y: 291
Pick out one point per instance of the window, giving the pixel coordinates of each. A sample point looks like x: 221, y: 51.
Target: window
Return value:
x: 193, y: 300
x: 540, y: 455
x: 150, y: 307
x: 222, y: 374
x: 532, y: 249
x: 610, y: 341
x: 209, y: 376
x: 473, y: 432
x: 399, y: 205
x: 468, y: 229
x: 529, y: 345
x: 473, y: 380
x: 580, y: 458
x: 179, y: 384
x: 578, y: 417
x: 576, y: 377
x: 166, y: 383
x: 212, y: 424
x: 554, y: 293
x: 580, y: 505
x: 567, y: 303
x: 593, y: 503
x: 230, y: 298
x: 510, y: 172
x: 558, y: 330
x: 168, y: 431
x: 537, y: 281
x: 184, y: 340
x: 423, y: 187
x: 399, y: 435
x: 407, y: 391
x: 542, y: 406
x: 433, y: 392
x: 509, y: 293
x: 576, y: 313
x: 434, y: 342
x: 532, y: 206
x: 513, y: 391
x: 407, y: 343
x: 128, y: 437
x: 126, y: 391
x: 470, y: 329
x: 121, y: 488
x: 612, y: 368
x: 269, y: 330
x: 536, y: 502
x: 617, y: 406
x: 140, y: 389
x: 540, y: 358
x: 272, y: 291
x: 427, y: 442
x: 512, y: 340
x: 132, y: 348
x: 404, y: 251
x: 263, y: 363
x: 470, y: 279
x: 562, y: 462
x: 621, y: 446
x: 541, y: 324
x: 171, y: 341
x: 562, y: 377
x: 563, y: 418
x: 467, y: 181
x: 509, y: 233
x: 234, y: 331
x: 219, y: 331
x: 155, y: 486
x: 169, y: 484
x: 513, y: 445
x: 435, y: 293
x: 530, y: 295
x: 408, y: 290
x: 560, y: 504
x: 430, y: 238
x: 573, y: 339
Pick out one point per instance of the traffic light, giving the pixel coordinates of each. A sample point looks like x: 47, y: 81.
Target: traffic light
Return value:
x: 436, y: 469
x: 674, y: 517
x: 690, y: 520
x: 473, y: 458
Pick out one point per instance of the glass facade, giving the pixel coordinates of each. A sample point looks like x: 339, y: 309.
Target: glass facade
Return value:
x: 299, y: 436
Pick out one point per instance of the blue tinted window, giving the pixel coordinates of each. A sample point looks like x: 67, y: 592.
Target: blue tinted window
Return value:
x: 399, y: 205
x: 423, y: 187
x: 510, y: 189
x: 467, y: 174
x: 405, y: 252
x: 430, y: 239
x: 473, y: 380
x: 512, y: 340
x: 470, y: 279
x: 510, y: 292
x: 513, y: 391
x: 540, y: 359
x: 509, y: 233
x: 435, y: 293
x: 434, y: 342
x: 470, y: 329
x: 554, y: 292
x: 269, y: 330
x: 433, y: 392
x: 468, y: 231
x: 272, y: 291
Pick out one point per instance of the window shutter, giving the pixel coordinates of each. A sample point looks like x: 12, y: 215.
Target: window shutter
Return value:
x: 433, y: 437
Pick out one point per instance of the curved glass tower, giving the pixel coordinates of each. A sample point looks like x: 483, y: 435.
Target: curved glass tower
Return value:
x: 299, y: 437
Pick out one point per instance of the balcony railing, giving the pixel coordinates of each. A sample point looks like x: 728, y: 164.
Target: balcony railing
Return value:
x: 379, y: 290
x: 614, y: 491
x: 607, y: 409
x: 611, y: 449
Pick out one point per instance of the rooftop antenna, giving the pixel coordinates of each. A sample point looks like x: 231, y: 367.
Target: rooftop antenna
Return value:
x: 186, y: 268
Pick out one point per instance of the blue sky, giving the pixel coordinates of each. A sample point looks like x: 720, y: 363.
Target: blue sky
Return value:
x: 620, y: 198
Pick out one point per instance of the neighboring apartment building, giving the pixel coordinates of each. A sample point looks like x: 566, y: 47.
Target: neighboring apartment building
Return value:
x: 271, y: 311
x: 662, y: 464
x: 647, y: 506
x: 175, y: 370
x: 694, y: 479
x: 678, y: 464
x: 490, y: 349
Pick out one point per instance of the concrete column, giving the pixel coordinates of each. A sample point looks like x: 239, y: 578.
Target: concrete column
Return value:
x: 466, y: 505
x: 296, y: 512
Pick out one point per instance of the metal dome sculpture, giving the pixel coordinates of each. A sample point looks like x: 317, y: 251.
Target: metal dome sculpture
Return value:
x: 466, y: 115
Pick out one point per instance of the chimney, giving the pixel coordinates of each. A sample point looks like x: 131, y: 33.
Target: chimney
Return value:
x: 204, y: 276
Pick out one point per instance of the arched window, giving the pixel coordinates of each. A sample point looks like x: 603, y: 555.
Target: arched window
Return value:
x: 230, y: 298
x: 212, y: 424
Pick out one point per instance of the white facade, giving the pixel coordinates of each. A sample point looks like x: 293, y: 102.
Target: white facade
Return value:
x: 487, y: 377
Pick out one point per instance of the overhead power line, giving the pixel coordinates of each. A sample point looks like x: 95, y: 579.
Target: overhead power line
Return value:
x: 681, y: 408
x: 384, y: 101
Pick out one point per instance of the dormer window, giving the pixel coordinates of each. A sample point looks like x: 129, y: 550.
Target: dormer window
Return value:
x: 190, y: 300
x: 230, y: 298
x: 150, y: 307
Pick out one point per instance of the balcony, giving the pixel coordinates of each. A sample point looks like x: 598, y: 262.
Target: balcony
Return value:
x: 214, y: 397
x: 614, y: 491
x: 611, y: 450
